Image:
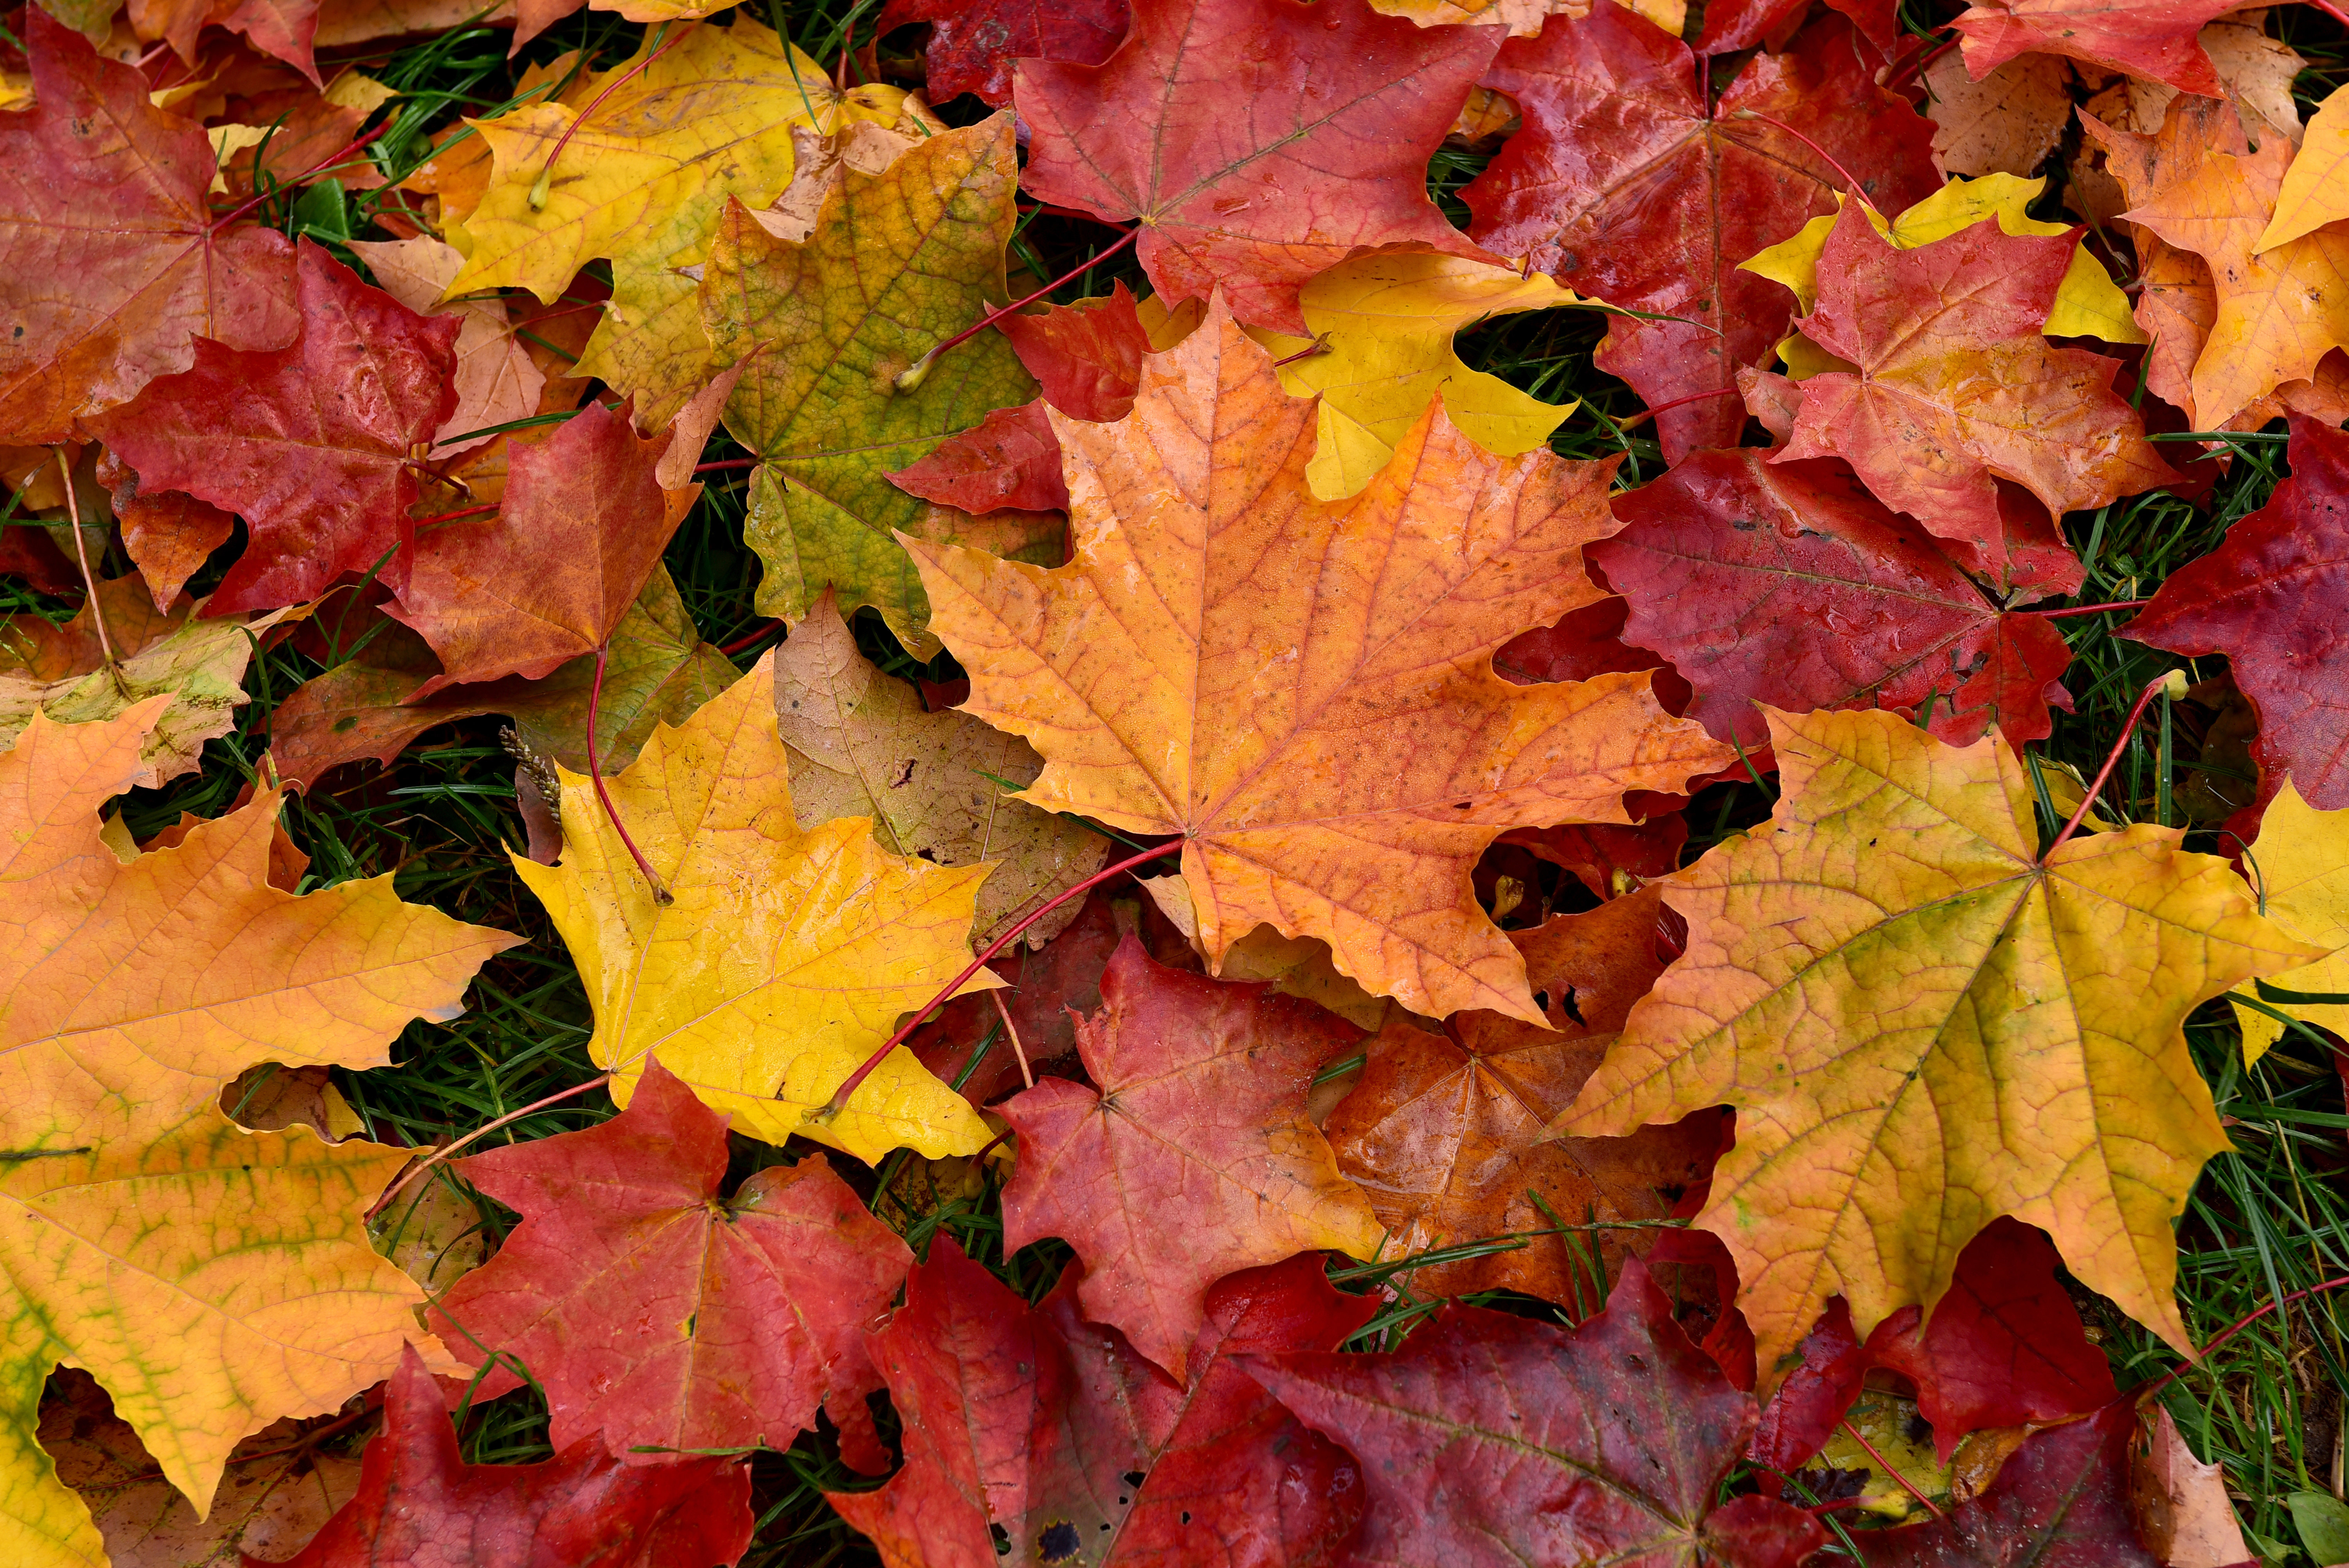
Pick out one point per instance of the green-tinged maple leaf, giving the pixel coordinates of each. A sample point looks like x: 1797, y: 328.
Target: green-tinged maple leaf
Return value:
x: 786, y: 956
x: 212, y: 1278
x: 898, y: 262
x: 1923, y: 1025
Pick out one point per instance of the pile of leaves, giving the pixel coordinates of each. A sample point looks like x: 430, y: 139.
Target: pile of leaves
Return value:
x: 1174, y: 782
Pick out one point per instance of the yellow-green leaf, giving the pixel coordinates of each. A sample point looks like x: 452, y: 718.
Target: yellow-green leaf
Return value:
x: 1924, y: 1026
x: 787, y: 956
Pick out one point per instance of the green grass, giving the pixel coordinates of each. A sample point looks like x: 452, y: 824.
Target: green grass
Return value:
x: 2270, y: 1219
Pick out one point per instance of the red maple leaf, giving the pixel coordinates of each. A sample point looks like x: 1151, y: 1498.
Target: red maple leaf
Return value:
x: 1492, y: 1441
x: 114, y: 261
x: 1789, y: 584
x: 973, y: 43
x: 310, y: 444
x: 1625, y: 187
x: 421, y: 1506
x: 2155, y: 39
x: 659, y: 1316
x: 2061, y: 1501
x: 2273, y: 597
x: 1256, y: 141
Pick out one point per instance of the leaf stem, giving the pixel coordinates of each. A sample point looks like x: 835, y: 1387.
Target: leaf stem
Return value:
x: 2173, y: 682
x: 1646, y: 414
x: 546, y: 182
x: 1858, y: 193
x: 2147, y: 1390
x: 910, y: 378
x: 438, y: 1155
x: 839, y: 1101
x: 233, y: 213
x: 1890, y: 1469
x: 2090, y: 609
x: 90, y: 579
x: 661, y: 895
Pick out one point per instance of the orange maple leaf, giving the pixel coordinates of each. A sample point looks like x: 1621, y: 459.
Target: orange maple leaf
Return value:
x: 1304, y: 690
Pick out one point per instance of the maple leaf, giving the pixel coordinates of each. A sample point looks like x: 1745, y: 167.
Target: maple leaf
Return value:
x: 2302, y: 860
x: 2088, y: 304
x: 578, y: 533
x: 973, y: 43
x: 2004, y: 1348
x: 897, y: 264
x: 309, y: 444
x: 1256, y: 141
x: 1054, y: 1433
x: 1383, y: 326
x: 1787, y: 583
x: 275, y: 1494
x: 136, y: 991
x: 660, y: 1316
x: 1448, y: 1134
x: 282, y: 29
x: 1953, y: 386
x: 421, y: 1505
x: 1731, y: 25
x: 115, y: 264
x: 2007, y: 122
x: 2150, y: 38
x: 659, y: 671
x: 1625, y: 188
x: 933, y: 783
x: 2180, y: 1505
x: 786, y: 956
x: 1086, y: 357
x: 497, y: 381
x: 2060, y: 1501
x: 2268, y: 595
x: 641, y: 181
x: 2310, y: 196
x: 64, y: 672
x: 1328, y: 736
x: 2280, y: 309
x: 1863, y: 1010
x: 1193, y: 1159
x: 1009, y: 460
x: 167, y: 536
x: 1492, y: 1440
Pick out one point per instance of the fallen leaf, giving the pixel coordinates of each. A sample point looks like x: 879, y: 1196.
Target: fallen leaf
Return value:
x: 275, y: 1495
x: 1010, y: 459
x: 2301, y: 860
x: 1329, y: 736
x: 115, y: 264
x: 2265, y: 596
x: 2152, y: 38
x: 1447, y: 1133
x: 1489, y: 1440
x: 1854, y: 1006
x: 282, y: 29
x: 2179, y: 1504
x: 659, y: 672
x: 1787, y: 583
x: 973, y: 43
x: 1029, y: 1426
x: 1625, y: 188
x: 578, y: 533
x: 309, y: 444
x: 1380, y: 348
x: 497, y: 381
x: 344, y: 22
x: 1256, y: 141
x: 167, y: 536
x: 1955, y: 389
x: 2061, y: 1501
x: 2310, y: 196
x: 898, y: 262
x: 787, y: 956
x: 933, y: 783
x: 2007, y: 122
x: 1193, y: 1159
x: 641, y: 181
x: 660, y: 1316
x: 2003, y: 1348
x: 421, y: 1505
x: 137, y: 990
x: 63, y: 671
x: 1086, y: 357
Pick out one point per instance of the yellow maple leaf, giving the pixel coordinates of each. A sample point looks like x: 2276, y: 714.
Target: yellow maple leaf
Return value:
x: 1304, y: 690
x: 1385, y: 323
x: 2316, y: 186
x: 2281, y: 309
x: 2301, y: 860
x: 2088, y: 304
x: 640, y: 183
x: 1923, y: 1025
x: 212, y: 1278
x: 787, y: 956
